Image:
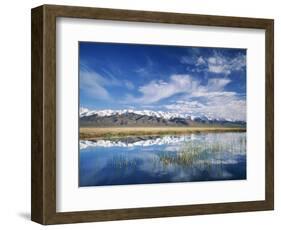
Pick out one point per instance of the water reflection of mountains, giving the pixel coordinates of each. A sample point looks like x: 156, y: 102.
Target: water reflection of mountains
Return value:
x: 133, y: 141
x: 136, y: 141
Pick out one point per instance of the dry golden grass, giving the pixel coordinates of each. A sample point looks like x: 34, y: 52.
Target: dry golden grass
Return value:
x: 117, y: 132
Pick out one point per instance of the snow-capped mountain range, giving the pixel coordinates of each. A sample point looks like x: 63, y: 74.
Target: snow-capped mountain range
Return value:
x: 84, y: 112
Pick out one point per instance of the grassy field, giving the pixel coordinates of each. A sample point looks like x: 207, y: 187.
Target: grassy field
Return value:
x: 117, y: 132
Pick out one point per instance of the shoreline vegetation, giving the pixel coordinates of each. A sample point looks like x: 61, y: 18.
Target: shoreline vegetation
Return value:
x: 95, y: 133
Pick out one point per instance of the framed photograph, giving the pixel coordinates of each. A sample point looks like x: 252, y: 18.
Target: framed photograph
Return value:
x: 148, y: 114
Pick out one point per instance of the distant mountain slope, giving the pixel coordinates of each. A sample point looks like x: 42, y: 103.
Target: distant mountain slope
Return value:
x: 107, y: 118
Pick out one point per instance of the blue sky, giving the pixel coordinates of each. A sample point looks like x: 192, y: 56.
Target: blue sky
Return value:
x: 193, y: 80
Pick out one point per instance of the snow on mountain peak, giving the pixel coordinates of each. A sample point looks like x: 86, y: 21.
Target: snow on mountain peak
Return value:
x: 109, y: 112
x: 84, y: 112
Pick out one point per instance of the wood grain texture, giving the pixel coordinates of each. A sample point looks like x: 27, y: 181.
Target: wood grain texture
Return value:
x: 44, y: 114
x: 37, y: 115
x: 269, y: 114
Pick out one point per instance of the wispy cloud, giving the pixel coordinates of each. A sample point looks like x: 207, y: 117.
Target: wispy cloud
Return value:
x: 129, y: 85
x: 200, y: 61
x: 155, y: 91
x: 217, y: 63
x: 94, y: 84
x: 150, y: 69
x: 221, y: 64
x: 189, y: 60
x: 213, y: 85
x: 147, y: 68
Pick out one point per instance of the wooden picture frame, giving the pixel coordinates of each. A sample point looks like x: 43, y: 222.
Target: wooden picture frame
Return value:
x: 43, y: 207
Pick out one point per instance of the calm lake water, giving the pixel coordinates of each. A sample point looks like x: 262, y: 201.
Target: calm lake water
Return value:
x: 163, y: 159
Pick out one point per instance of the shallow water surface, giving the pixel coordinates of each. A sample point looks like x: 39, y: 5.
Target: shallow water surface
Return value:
x: 163, y: 159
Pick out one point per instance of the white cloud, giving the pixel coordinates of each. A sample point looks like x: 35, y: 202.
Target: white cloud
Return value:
x: 93, y: 84
x: 184, y: 106
x: 200, y: 61
x: 214, y: 85
x: 147, y: 69
x: 218, y: 69
x: 129, y: 85
x: 158, y: 90
x: 187, y: 60
x: 217, y: 84
x: 225, y: 65
x: 155, y: 91
x: 218, y: 63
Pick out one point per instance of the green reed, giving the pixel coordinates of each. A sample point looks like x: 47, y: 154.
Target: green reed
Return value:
x: 203, y: 152
x: 195, y: 153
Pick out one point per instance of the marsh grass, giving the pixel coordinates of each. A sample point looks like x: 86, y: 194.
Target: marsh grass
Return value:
x: 122, y: 161
x: 199, y: 153
x: 202, y: 154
